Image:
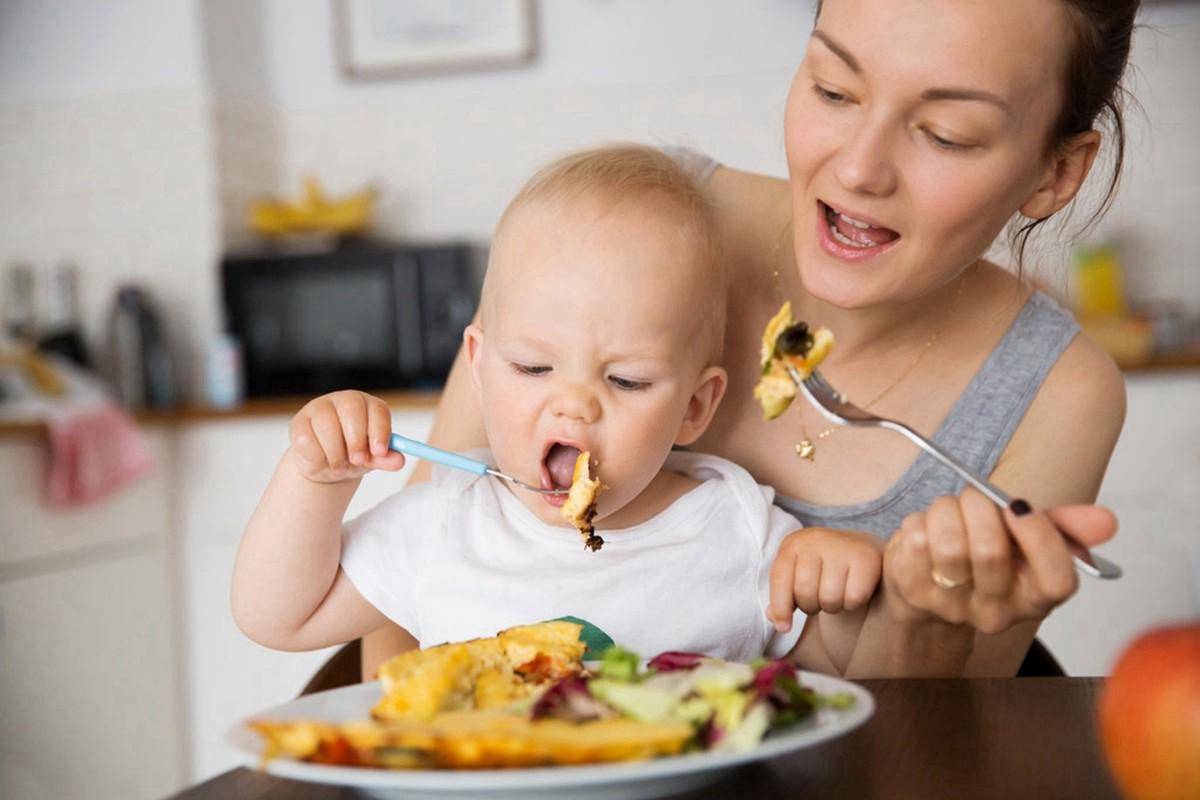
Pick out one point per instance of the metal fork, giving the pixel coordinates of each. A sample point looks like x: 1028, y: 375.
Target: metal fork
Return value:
x: 837, y: 408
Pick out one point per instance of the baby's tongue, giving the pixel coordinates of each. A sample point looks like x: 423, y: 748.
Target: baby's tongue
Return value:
x: 560, y: 461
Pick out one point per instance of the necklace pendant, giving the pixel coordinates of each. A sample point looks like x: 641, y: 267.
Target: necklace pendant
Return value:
x: 806, y: 449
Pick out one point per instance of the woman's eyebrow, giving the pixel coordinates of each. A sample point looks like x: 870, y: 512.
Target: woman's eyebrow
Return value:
x: 929, y: 94
x: 837, y: 50
x: 964, y: 94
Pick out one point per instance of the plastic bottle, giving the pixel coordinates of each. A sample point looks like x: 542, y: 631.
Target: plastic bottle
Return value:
x: 223, y: 385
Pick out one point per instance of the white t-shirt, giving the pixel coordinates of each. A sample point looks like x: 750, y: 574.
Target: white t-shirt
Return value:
x: 460, y: 557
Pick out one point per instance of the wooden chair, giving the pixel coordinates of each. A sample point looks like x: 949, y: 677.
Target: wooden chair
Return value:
x: 1039, y: 663
x: 344, y: 668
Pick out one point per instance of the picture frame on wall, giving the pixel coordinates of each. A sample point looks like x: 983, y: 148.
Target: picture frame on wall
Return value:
x: 382, y: 39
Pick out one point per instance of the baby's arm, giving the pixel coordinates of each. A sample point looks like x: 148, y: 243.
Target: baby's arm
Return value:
x: 831, y: 576
x: 289, y: 592
x: 818, y: 569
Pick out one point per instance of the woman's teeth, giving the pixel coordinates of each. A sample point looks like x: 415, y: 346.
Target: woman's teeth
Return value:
x: 856, y: 223
x: 833, y: 218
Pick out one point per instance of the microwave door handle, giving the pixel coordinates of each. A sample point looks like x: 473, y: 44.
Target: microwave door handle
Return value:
x: 411, y: 447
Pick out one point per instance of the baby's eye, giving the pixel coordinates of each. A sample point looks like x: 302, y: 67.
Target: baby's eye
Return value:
x: 530, y: 369
x: 627, y: 385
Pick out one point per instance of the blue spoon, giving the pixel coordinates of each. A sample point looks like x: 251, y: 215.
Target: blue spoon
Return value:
x: 411, y: 447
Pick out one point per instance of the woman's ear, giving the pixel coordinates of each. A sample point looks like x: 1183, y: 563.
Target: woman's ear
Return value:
x: 710, y: 388
x: 1063, y: 176
x: 473, y: 344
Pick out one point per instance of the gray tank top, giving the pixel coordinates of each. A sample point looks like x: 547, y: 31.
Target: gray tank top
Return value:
x: 978, y: 427
x: 976, y: 430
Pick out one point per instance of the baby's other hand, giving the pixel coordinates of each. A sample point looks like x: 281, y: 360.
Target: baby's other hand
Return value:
x: 341, y: 436
x: 817, y: 569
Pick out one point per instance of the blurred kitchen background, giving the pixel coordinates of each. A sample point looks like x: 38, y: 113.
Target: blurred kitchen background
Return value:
x: 181, y: 181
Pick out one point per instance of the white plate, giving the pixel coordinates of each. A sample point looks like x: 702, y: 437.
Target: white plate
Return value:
x: 628, y: 779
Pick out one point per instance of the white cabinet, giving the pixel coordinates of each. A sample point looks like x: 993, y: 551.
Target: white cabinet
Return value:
x: 120, y: 665
x: 1153, y: 485
x: 91, y: 702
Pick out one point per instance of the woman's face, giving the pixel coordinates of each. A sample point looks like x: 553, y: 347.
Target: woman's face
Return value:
x: 914, y: 130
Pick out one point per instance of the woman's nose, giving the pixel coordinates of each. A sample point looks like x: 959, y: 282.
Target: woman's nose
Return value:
x: 865, y: 165
x: 576, y: 402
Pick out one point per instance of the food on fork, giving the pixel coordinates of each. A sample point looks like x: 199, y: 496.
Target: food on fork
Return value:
x: 620, y: 711
x: 580, y: 508
x: 788, y: 343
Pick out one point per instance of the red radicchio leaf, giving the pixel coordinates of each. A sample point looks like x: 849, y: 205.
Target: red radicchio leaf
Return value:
x: 766, y: 680
x: 710, y: 733
x: 778, y: 683
x: 673, y: 660
x: 570, y: 700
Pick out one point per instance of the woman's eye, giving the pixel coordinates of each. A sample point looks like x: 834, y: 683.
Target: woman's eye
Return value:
x: 831, y: 97
x: 944, y: 143
x: 530, y: 369
x: 627, y: 385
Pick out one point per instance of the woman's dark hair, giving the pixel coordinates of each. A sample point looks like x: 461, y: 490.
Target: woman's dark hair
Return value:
x: 1102, y: 32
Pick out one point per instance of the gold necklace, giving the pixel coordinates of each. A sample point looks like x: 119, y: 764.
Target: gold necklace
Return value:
x: 806, y: 448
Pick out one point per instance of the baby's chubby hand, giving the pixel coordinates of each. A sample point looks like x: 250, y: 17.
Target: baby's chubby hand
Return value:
x: 341, y: 436
x: 817, y: 569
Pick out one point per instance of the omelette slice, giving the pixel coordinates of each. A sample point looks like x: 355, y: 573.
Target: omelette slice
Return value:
x: 788, y: 343
x: 471, y: 740
x: 580, y: 508
x: 490, y: 673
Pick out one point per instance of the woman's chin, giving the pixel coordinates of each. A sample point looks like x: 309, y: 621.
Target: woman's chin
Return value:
x: 841, y: 288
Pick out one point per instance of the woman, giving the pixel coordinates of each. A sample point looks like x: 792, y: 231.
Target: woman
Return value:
x: 915, y: 132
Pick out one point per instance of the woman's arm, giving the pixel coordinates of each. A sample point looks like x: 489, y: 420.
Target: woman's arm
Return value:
x: 1057, y: 457
x: 457, y: 426
x: 917, y: 628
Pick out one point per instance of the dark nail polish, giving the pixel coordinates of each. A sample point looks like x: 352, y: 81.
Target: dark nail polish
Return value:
x: 1019, y: 507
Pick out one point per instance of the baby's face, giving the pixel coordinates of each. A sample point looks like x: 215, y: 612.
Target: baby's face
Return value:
x: 589, y: 341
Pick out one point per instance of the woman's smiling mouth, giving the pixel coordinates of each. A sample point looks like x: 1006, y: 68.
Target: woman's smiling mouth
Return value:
x: 849, y: 238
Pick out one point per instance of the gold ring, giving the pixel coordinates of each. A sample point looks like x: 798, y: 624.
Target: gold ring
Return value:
x: 945, y: 583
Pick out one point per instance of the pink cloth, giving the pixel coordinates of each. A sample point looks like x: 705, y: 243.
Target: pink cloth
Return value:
x: 93, y: 452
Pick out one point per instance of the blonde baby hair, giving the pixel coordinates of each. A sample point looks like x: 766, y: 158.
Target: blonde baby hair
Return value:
x: 625, y: 172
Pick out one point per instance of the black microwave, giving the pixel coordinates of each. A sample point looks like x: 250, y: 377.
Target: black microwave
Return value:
x: 371, y: 316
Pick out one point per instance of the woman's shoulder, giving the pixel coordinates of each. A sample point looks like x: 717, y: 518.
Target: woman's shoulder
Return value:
x: 744, y: 198
x: 1084, y: 384
x: 1072, y: 424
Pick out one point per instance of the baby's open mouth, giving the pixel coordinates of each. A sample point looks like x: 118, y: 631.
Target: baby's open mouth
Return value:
x: 558, y: 466
x: 856, y: 233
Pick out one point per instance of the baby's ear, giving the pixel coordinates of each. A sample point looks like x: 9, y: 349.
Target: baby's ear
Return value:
x: 473, y: 344
x: 710, y: 388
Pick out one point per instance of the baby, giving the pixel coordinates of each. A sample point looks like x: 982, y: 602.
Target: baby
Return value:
x: 601, y: 328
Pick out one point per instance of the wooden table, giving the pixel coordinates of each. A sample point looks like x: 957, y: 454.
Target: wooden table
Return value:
x: 981, y: 738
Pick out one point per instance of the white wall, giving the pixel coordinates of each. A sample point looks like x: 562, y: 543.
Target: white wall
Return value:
x: 80, y: 49
x: 106, y: 153
x: 448, y: 151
